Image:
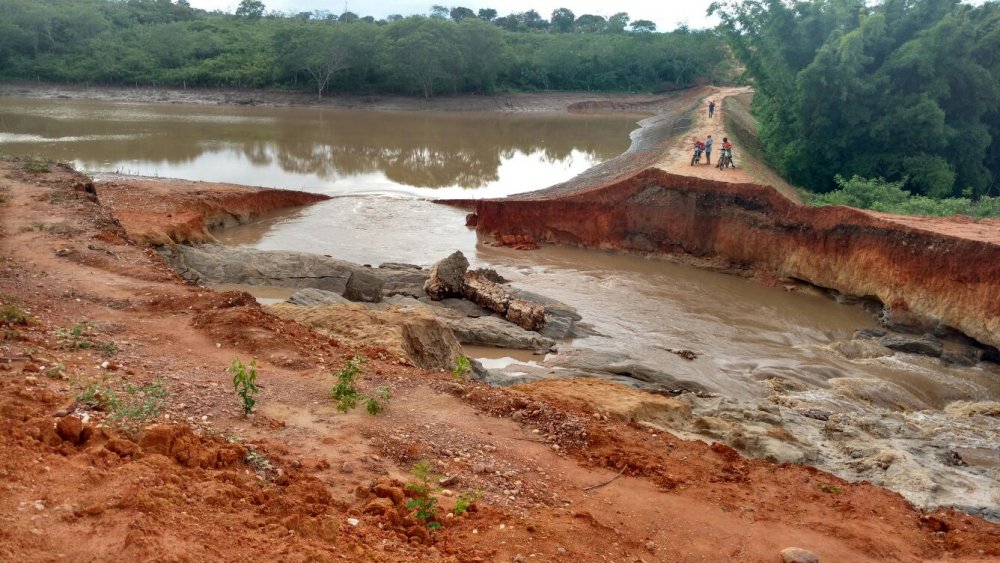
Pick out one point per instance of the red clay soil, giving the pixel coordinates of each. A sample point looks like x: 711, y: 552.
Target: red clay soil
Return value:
x: 558, y: 480
x: 180, y: 211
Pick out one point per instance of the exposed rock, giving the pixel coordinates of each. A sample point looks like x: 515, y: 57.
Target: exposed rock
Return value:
x: 862, y: 349
x: 958, y: 355
x: 491, y: 274
x: 485, y: 293
x: 798, y: 555
x: 399, y: 266
x: 464, y: 306
x: 447, y: 277
x: 527, y: 315
x: 311, y: 297
x: 493, y: 296
x: 429, y: 344
x: 413, y: 334
x: 402, y: 279
x: 496, y: 332
x: 869, y: 333
x: 216, y: 264
x: 364, y: 286
x: 926, y: 345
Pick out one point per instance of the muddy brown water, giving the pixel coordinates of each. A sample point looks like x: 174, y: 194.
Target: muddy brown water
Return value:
x: 743, y: 332
x: 319, y: 149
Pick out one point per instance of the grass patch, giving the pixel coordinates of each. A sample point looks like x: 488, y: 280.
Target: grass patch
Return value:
x: 35, y: 165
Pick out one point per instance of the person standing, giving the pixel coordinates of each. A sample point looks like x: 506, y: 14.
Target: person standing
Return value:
x: 711, y: 108
x: 708, y: 151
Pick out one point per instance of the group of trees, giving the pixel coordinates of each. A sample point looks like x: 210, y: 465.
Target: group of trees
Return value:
x: 906, y: 90
x: 159, y: 42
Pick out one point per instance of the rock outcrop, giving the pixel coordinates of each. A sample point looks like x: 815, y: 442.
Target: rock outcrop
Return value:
x: 447, y: 277
x: 905, y: 264
x: 411, y: 334
x: 212, y: 264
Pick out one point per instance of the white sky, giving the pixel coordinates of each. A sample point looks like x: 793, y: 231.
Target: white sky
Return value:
x: 667, y: 14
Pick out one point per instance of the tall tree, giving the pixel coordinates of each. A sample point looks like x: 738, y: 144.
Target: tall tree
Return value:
x: 250, y: 9
x: 562, y: 20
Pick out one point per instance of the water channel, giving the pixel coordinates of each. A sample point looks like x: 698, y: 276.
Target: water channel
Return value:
x: 383, y: 167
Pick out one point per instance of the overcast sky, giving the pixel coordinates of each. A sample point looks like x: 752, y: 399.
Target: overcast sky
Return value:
x: 667, y: 14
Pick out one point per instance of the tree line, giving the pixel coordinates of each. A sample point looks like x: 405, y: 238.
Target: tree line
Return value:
x: 159, y: 42
x: 903, y: 90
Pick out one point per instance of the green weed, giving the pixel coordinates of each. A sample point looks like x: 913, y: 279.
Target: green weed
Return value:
x: 56, y: 370
x: 74, y: 337
x: 129, y: 407
x: 830, y: 489
x: 108, y: 349
x: 13, y: 315
x: 423, y: 503
x: 345, y: 390
x: 245, y: 383
x: 35, y: 166
x: 462, y: 368
x: 464, y: 501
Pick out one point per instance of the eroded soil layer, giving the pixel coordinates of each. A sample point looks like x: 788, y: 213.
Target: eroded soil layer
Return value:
x: 299, y: 481
x: 947, y: 272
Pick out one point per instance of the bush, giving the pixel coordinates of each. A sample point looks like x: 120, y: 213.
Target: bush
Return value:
x: 245, y: 383
x: 423, y: 503
x: 890, y: 197
x: 345, y: 390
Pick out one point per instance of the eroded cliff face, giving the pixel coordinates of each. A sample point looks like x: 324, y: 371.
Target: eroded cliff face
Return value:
x: 183, y: 212
x: 949, y: 280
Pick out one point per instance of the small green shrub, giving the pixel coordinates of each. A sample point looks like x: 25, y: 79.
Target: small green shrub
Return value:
x: 345, y: 390
x: 56, y: 370
x: 74, y: 337
x: 424, y: 503
x: 108, y: 349
x: 375, y: 404
x: 830, y: 489
x: 129, y: 407
x: 13, y: 315
x: 464, y: 501
x: 462, y: 368
x: 245, y: 383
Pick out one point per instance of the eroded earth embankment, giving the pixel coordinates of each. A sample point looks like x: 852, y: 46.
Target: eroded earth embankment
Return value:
x: 927, y: 279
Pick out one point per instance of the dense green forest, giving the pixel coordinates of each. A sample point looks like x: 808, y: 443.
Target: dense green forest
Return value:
x: 901, y: 95
x: 453, y: 50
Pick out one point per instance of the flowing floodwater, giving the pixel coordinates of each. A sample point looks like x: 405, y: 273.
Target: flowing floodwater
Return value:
x: 382, y: 167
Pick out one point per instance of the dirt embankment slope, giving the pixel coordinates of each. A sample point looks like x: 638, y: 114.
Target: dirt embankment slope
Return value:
x: 943, y: 271
x: 299, y: 481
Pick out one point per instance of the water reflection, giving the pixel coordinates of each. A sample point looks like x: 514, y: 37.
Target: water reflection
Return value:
x: 317, y: 148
